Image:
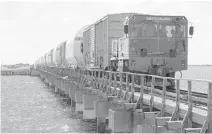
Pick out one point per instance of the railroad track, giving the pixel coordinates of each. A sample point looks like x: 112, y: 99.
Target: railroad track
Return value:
x: 198, y: 98
x: 197, y: 94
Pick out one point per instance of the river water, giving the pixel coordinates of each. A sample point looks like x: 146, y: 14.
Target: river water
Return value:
x: 27, y: 105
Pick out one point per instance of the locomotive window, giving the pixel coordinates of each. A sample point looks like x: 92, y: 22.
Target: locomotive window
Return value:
x: 150, y: 30
x: 170, y: 30
x: 144, y: 30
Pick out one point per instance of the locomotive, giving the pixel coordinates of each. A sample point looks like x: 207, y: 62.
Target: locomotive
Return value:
x: 127, y: 42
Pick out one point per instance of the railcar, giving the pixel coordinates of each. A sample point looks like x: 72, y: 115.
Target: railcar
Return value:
x: 78, y: 48
x: 74, y: 50
x: 97, y: 39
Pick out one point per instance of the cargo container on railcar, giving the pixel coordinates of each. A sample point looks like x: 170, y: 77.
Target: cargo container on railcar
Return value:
x: 99, y: 38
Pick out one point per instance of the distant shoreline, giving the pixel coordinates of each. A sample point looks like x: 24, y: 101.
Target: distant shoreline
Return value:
x: 199, y: 65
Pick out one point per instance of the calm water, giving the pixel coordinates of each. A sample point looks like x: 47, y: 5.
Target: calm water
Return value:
x: 27, y: 105
x: 196, y: 72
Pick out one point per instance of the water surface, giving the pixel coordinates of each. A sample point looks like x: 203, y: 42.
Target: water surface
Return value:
x: 27, y: 105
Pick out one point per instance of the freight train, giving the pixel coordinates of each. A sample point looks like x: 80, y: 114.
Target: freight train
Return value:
x: 126, y: 42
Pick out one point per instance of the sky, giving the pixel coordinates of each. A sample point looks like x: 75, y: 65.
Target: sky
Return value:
x: 29, y: 29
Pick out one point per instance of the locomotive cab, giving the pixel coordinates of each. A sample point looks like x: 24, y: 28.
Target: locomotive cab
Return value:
x: 156, y: 45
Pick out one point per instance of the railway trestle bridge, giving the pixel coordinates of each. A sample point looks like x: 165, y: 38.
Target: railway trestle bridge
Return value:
x: 126, y: 102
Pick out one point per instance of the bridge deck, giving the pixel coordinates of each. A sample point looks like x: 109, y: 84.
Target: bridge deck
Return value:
x: 198, y: 115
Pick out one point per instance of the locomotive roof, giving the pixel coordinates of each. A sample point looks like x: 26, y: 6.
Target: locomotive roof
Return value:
x: 157, y: 15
